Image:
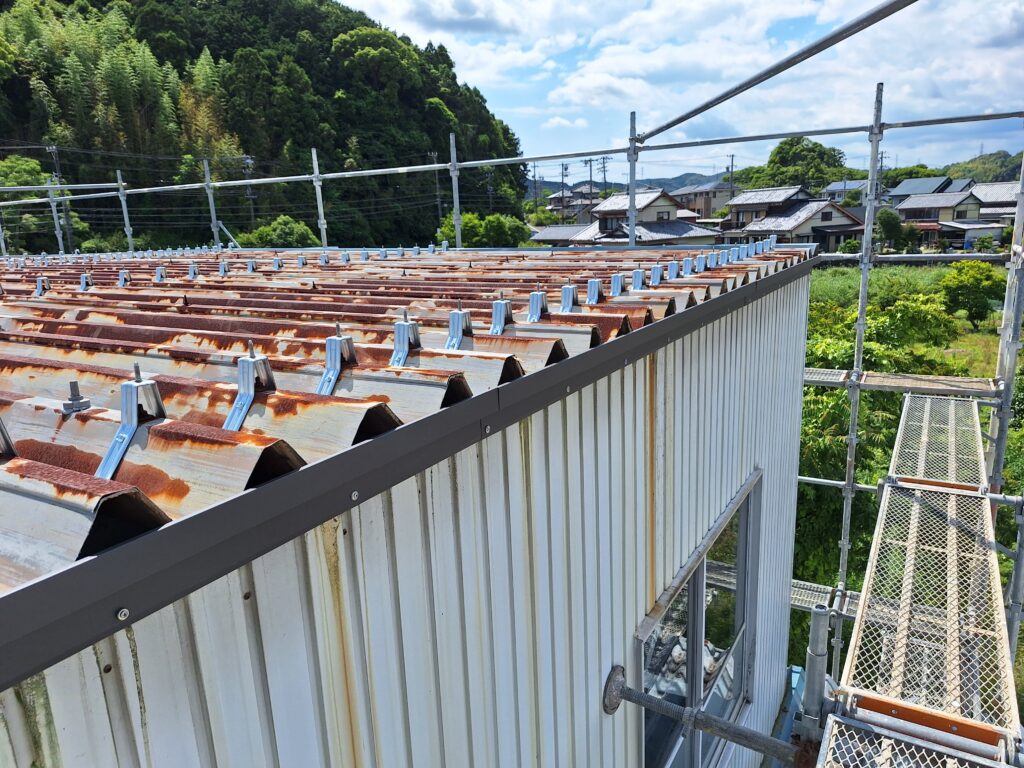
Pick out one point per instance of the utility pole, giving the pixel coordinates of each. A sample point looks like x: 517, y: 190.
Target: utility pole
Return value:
x: 247, y: 166
x: 604, y: 171
x: 536, y: 191
x: 456, y: 207
x: 55, y: 153
x: 437, y: 187
x: 561, y: 192
x: 589, y: 162
x: 631, y: 211
x: 732, y: 184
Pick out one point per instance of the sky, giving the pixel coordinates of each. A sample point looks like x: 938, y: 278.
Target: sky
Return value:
x: 565, y: 75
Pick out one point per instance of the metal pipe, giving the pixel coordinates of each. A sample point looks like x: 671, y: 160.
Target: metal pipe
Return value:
x: 321, y: 220
x: 46, y: 187
x: 970, y: 747
x: 213, y: 206
x: 1009, y: 345
x: 837, y: 615
x: 853, y: 388
x: 814, y: 682
x: 631, y: 156
x: 56, y: 224
x: 456, y: 208
x: 1013, y: 608
x: 124, y: 213
x: 3, y: 239
x: 839, y: 34
x: 616, y: 691
x: 949, y: 120
x: 543, y: 158
x: 836, y: 484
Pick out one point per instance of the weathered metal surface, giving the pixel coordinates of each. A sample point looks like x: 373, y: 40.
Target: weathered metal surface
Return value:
x: 474, y: 608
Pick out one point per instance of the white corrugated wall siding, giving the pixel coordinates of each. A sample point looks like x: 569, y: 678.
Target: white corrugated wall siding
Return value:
x: 468, y: 616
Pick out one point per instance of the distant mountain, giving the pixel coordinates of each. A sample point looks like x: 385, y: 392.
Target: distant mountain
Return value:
x: 547, y: 187
x: 993, y: 166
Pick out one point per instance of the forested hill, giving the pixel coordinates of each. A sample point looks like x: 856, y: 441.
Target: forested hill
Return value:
x: 263, y: 78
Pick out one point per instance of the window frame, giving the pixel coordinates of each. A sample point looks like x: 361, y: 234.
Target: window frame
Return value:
x: 693, y: 575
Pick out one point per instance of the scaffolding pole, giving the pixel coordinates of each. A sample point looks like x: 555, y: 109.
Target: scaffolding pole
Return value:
x: 208, y: 183
x: 631, y: 214
x: 56, y: 222
x: 321, y: 220
x: 456, y: 209
x: 853, y: 386
x: 3, y: 238
x: 123, y: 197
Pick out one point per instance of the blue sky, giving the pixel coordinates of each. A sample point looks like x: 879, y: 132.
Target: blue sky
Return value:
x: 565, y: 75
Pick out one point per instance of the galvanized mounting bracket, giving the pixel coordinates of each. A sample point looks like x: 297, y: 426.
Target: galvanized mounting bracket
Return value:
x: 254, y: 375
x: 570, y: 299
x: 617, y: 285
x: 656, y: 272
x: 301, y: 261
x: 124, y: 278
x: 140, y: 403
x: 42, y: 286
x: 276, y: 264
x: 460, y: 325
x: 250, y: 265
x: 75, y: 402
x: 407, y: 338
x: 699, y: 263
x: 345, y: 258
x: 341, y: 351
x: 639, y: 280
x: 712, y: 260
x: 325, y: 259
x: 222, y: 268
x: 501, y: 315
x: 672, y: 270
x: 687, y: 266
x: 7, y: 450
x: 538, y: 306
x: 160, y: 275
x: 84, y: 281
x: 595, y: 291
x: 193, y: 270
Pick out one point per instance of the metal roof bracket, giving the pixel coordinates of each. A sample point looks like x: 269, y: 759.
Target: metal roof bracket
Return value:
x: 7, y: 450
x: 672, y: 269
x: 617, y: 285
x: 501, y: 315
x: 595, y: 292
x: 407, y: 338
x: 140, y: 403
x: 460, y: 324
x: 254, y: 375
x: 300, y: 261
x: 250, y: 265
x: 687, y: 266
x: 656, y: 272
x: 538, y: 306
x: 712, y: 260
x: 84, y: 281
x: 639, y: 280
x: 383, y: 254
x: 698, y: 264
x: 341, y: 351
x: 222, y: 268
x: 160, y: 275
x: 570, y: 299
x: 124, y: 278
x: 42, y: 286
x: 364, y: 255
x: 193, y: 270
x: 324, y: 259
x: 276, y: 264
x: 345, y: 258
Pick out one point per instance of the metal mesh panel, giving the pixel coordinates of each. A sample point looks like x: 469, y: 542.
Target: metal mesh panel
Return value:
x: 930, y: 629
x: 853, y: 745
x: 825, y: 377
x: 939, y: 439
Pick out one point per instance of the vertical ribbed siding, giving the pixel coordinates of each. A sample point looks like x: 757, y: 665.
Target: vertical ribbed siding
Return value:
x: 469, y: 615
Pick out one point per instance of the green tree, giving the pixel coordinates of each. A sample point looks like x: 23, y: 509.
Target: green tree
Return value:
x: 852, y: 198
x: 894, y: 176
x: 849, y: 246
x: 888, y: 227
x: 494, y: 231
x: 984, y: 244
x: 971, y: 287
x: 1007, y: 236
x: 282, y: 232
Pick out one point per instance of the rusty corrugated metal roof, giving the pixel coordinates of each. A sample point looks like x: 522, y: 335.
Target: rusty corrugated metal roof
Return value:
x: 242, y: 367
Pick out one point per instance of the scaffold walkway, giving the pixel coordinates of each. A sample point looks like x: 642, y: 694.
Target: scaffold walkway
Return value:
x: 955, y: 386
x: 929, y: 654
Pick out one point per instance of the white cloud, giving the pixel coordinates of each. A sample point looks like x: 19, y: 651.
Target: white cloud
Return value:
x: 560, y: 122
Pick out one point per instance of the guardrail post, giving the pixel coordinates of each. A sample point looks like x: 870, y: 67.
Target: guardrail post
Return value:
x: 321, y: 220
x: 208, y: 183
x: 456, y: 208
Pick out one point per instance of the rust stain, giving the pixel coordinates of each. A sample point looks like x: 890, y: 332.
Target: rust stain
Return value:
x: 152, y: 481
x: 64, y: 481
x: 57, y: 455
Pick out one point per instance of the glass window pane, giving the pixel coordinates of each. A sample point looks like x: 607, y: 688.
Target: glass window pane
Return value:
x: 665, y: 677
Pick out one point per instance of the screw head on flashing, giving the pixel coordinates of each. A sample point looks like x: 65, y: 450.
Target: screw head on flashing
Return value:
x: 355, y: 495
x: 487, y: 429
x: 123, y: 614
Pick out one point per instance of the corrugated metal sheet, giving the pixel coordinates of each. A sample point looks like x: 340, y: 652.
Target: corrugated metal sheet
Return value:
x: 468, y: 615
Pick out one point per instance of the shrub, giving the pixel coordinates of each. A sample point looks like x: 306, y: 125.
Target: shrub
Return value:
x: 972, y: 286
x: 849, y: 246
x: 282, y: 232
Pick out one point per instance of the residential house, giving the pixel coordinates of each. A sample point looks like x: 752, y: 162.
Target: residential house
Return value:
x: 557, y: 201
x: 559, y: 235
x: 928, y: 185
x: 998, y: 201
x: 959, y: 185
x: 838, y: 190
x: 705, y: 198
x: 953, y: 216
x: 805, y: 221
x: 757, y: 203
x: 657, y: 222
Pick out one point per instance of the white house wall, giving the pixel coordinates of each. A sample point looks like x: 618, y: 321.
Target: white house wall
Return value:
x: 469, y: 615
